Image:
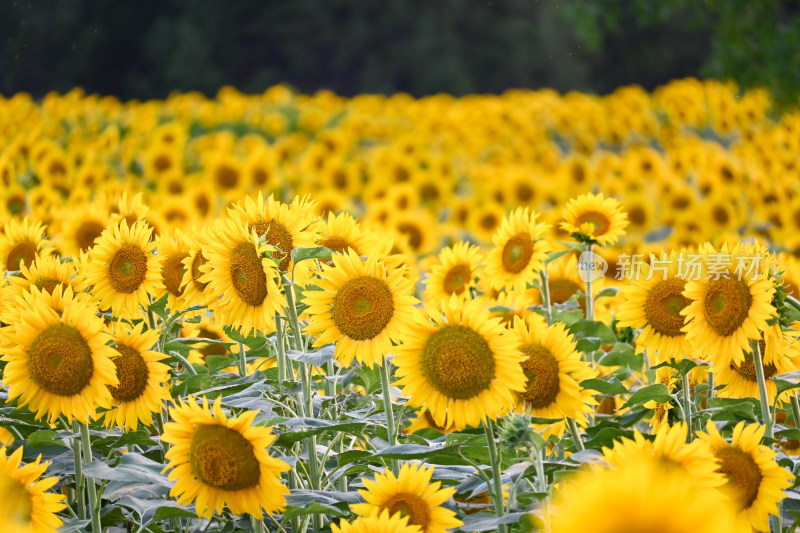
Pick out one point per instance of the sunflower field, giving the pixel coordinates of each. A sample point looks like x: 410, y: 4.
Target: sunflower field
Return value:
x: 284, y: 312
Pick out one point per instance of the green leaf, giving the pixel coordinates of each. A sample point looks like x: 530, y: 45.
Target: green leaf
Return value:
x: 318, y: 252
x: 132, y: 467
x: 606, y: 436
x: 611, y: 387
x: 592, y: 329
x: 415, y: 451
x: 44, y: 437
x: 307, y: 427
x: 683, y: 366
x: 623, y: 355
x: 734, y: 409
x: 319, y: 358
x: 784, y: 385
x: 609, y: 292
x: 485, y: 521
x: 159, y: 307
x: 168, y: 511
x: 657, y: 393
x: 789, y: 434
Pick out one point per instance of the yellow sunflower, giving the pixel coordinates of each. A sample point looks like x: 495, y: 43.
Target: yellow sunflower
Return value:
x: 82, y: 227
x: 454, y: 273
x: 668, y: 376
x: 24, y: 504
x: 219, y: 461
x: 174, y: 249
x: 59, y: 362
x: 210, y: 330
x: 644, y: 494
x: 360, y: 307
x: 652, y: 303
x: 243, y: 280
x: 410, y: 494
x: 143, y: 381
x: 194, y: 291
x: 122, y: 269
x: 343, y: 233
x: 553, y: 370
x: 21, y: 242
x: 755, y: 481
x: 46, y: 272
x: 381, y: 522
x: 461, y: 364
x: 594, y: 218
x: 519, y: 250
x: 726, y: 313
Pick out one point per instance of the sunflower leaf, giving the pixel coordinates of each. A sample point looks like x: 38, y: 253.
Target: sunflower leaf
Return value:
x: 657, y: 393
x: 319, y: 358
x: 318, y: 252
x: 611, y: 387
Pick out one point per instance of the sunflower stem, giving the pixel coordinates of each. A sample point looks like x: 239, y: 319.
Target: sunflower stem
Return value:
x: 796, y: 410
x: 257, y: 524
x: 710, y: 392
x: 280, y: 347
x: 79, y: 479
x: 541, y: 483
x: 494, y: 459
x: 687, y: 406
x: 576, y: 436
x: 589, y: 296
x: 94, y: 506
x: 544, y: 287
x: 185, y: 362
x: 242, y: 360
x: 762, y: 388
x: 388, y: 410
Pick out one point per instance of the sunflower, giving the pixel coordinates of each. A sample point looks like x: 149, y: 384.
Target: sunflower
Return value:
x: 726, y: 313
x: 519, y: 250
x: 123, y: 270
x: 219, y: 461
x: 653, y: 303
x: 666, y: 375
x: 381, y: 522
x: 81, y: 228
x: 221, y: 344
x: 243, y: 280
x: 643, y: 494
x: 343, y: 233
x: 594, y: 218
x: 424, y: 420
x: 131, y: 209
x: 454, y: 273
x: 565, y: 283
x: 24, y: 504
x: 21, y: 242
x: 286, y: 227
x: 46, y: 272
x: 194, y: 291
x: 409, y: 494
x: 360, y: 308
x: 417, y: 228
x: 143, y: 381
x: 175, y: 250
x: 463, y: 366
x: 553, y: 370
x: 755, y: 481
x: 59, y: 362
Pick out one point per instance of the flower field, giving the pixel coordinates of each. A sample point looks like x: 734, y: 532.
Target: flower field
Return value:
x: 514, y: 313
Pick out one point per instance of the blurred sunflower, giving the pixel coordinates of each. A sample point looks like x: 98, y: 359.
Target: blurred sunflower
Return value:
x: 217, y: 461
x: 24, y: 504
x: 59, y: 362
x: 594, y: 218
x: 360, y: 307
x: 21, y: 242
x: 409, y: 494
x: 382, y: 522
x: 519, y: 250
x: 174, y: 249
x: 461, y: 364
x: 454, y: 273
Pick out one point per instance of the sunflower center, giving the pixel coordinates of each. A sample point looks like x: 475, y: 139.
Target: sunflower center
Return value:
x: 458, y: 362
x: 132, y: 373
x: 60, y: 360
x: 726, y: 305
x: 172, y: 273
x: 747, y: 368
x: 562, y: 290
x: 413, y: 233
x: 743, y: 474
x: 213, y: 348
x: 455, y: 281
x: 663, y: 307
x: 410, y: 505
x: 637, y: 216
x: 227, y: 177
x: 247, y: 274
x: 541, y: 369
x: 599, y: 222
x: 223, y: 458
x: 128, y: 268
x: 517, y: 253
x: 362, y: 307
x: 47, y: 284
x: 197, y: 262
x: 277, y: 235
x: 337, y: 244
x: 87, y: 233
x: 22, y: 253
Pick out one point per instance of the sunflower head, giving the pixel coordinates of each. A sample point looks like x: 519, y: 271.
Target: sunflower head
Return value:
x: 24, y: 504
x: 594, y: 219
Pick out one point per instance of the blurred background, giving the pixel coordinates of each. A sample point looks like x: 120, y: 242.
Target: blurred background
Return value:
x: 148, y: 48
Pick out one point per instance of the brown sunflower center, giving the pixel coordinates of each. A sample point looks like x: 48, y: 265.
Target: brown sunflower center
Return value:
x: 337, y: 244
x: 197, y: 262
x: 213, y: 348
x: 598, y: 220
x: 60, y: 360
x: 277, y: 235
x: 517, y: 253
x: 223, y: 458
x: 744, y: 476
x: 663, y: 307
x: 562, y: 289
x: 456, y: 279
x: 637, y: 216
x: 47, y: 285
x: 458, y: 362
x: 362, y: 307
x: 247, y: 274
x: 172, y: 273
x: 127, y: 268
x: 410, y: 505
x: 226, y: 176
x: 132, y: 373
x: 413, y: 233
x: 541, y: 369
x: 747, y: 368
x: 87, y: 233
x: 727, y: 304
x: 22, y: 253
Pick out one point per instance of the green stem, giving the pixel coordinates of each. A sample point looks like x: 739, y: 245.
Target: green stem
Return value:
x: 687, y: 406
x: 710, y: 392
x: 762, y: 388
x: 544, y: 287
x: 576, y: 436
x: 257, y: 524
x: 94, y: 506
x: 242, y: 360
x: 589, y: 296
x: 280, y: 347
x: 388, y: 410
x: 494, y: 459
x: 185, y: 362
x: 796, y: 409
x: 80, y: 481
